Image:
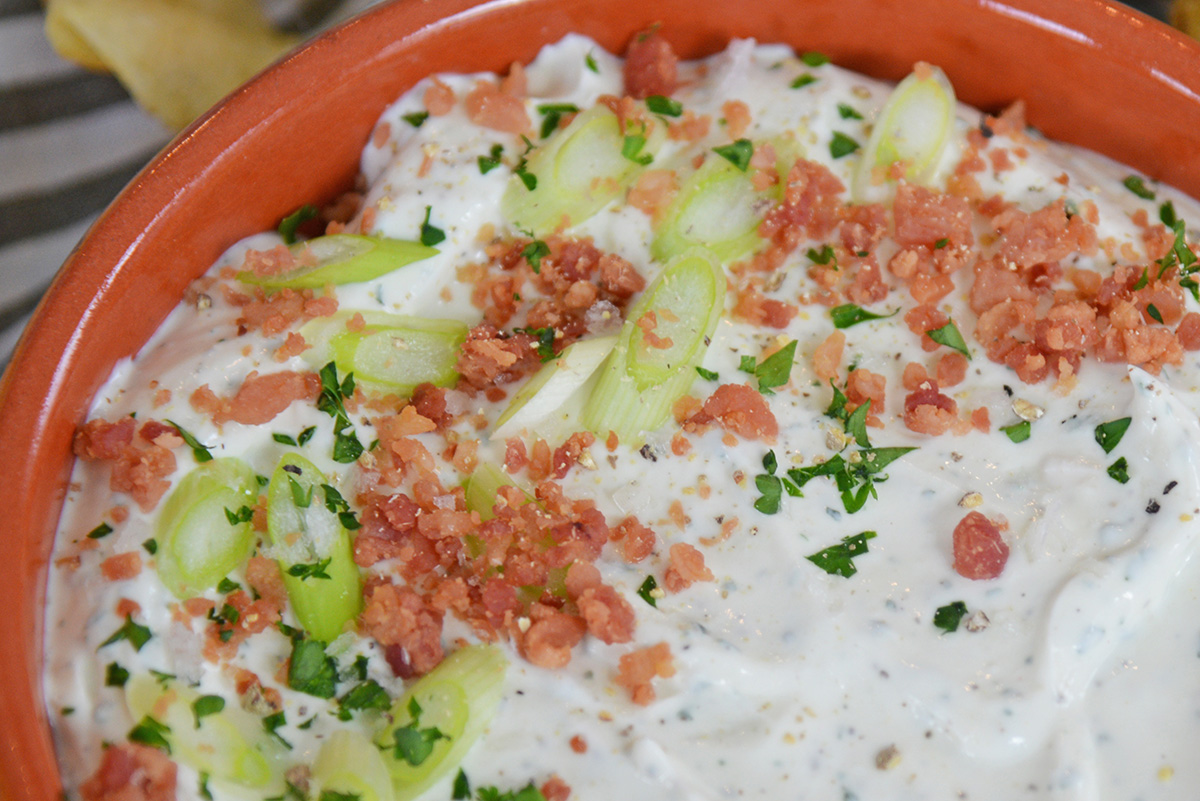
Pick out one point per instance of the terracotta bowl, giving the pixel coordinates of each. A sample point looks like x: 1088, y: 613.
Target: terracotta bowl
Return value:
x: 1092, y: 73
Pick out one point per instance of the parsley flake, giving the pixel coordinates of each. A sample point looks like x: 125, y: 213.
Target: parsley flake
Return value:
x: 803, y: 81
x: 1153, y: 311
x: 949, y: 616
x: 368, y: 695
x: 545, y: 339
x: 839, y: 559
x: 462, y: 787
x: 200, y: 452
x: 150, y: 732
x: 226, y: 586
x: 346, y: 447
x: 412, y: 743
x: 137, y: 635
x: 552, y: 114
x: 1018, y: 432
x: 306, y: 435
x: 430, y: 234
x: 271, y: 724
x: 311, y: 670
x: 707, y: 375
x: 773, y: 371
x: 534, y: 252
x: 660, y: 104
x: 207, y: 705
x: 825, y: 256
x: 1109, y: 434
x: 814, y: 59
x: 316, y: 570
x: 284, y: 439
x: 1137, y: 185
x: 151, y: 546
x: 289, y: 224
x: 115, y: 675
x: 589, y: 61
x: 416, y: 119
x: 841, y: 145
x: 646, y: 591
x: 847, y: 112
x: 737, y: 153
x: 631, y: 148
x: 849, y: 314
x: 100, y: 531
x: 492, y: 161
x: 949, y: 336
x: 1119, y: 471
x: 244, y: 514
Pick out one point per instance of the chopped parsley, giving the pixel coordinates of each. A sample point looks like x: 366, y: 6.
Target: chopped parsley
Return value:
x: 492, y: 161
x: 847, y: 112
x: 1153, y: 311
x: 522, y: 168
x: 849, y: 314
x: 773, y: 371
x: 1137, y: 185
x: 949, y: 616
x: 707, y: 375
x: 289, y: 224
x: 941, y: 243
x: 200, y: 452
x: 825, y: 256
x: 306, y: 435
x: 346, y: 447
x: 137, y: 635
x: 772, y: 487
x: 416, y: 119
x: 545, y: 340
x: 527, y: 793
x: 666, y: 106
x: 949, y: 336
x: 315, y: 570
x: 803, y: 81
x: 412, y: 743
x: 855, y: 476
x: 534, y: 252
x: 311, y: 670
x: 368, y: 695
x: 150, y: 732
x: 737, y: 153
x: 202, y: 789
x: 207, y: 705
x: 284, y: 439
x: 841, y: 145
x: 1119, y: 471
x: 271, y: 724
x: 226, y: 586
x: 430, y: 234
x: 333, y: 795
x: 646, y: 591
x: 552, y: 114
x: 115, y: 675
x: 814, y: 59
x: 631, y: 148
x: 244, y: 514
x: 100, y: 531
x: 1109, y: 434
x: 301, y: 496
x: 462, y: 787
x: 589, y: 61
x: 1018, y: 432
x: 335, y: 503
x: 1142, y: 281
x: 839, y: 559
x: 151, y: 546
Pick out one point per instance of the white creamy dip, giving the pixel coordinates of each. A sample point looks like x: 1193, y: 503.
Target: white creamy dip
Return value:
x: 790, y: 682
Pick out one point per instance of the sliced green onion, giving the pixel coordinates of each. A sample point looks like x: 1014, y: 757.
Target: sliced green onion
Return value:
x: 579, y: 169
x: 554, y: 384
x: 481, y: 487
x: 350, y: 764
x: 227, y: 744
x: 458, y: 698
x: 308, y: 535
x: 392, y: 351
x: 716, y: 208
x: 198, y: 545
x: 914, y: 127
x: 638, y: 384
x: 342, y: 259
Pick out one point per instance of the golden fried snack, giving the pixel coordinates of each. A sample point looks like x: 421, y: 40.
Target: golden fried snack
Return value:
x: 176, y: 57
x: 1185, y: 15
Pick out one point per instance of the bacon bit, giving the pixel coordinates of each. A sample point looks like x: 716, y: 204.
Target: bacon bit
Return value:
x: 925, y: 318
x: 979, y: 550
x: 637, y: 541
x: 686, y: 567
x: 680, y: 444
x: 128, y: 606
x: 294, y: 345
x: 439, y: 99
x: 264, y: 577
x: 549, y: 640
x: 981, y: 420
x: 930, y: 288
x: 99, y: 439
x: 637, y: 669
x: 651, y: 66
x: 677, y: 515
x: 515, y: 456
x: 739, y: 409
x: 578, y: 744
x: 162, y: 397
x: 1046, y: 235
x: 567, y: 455
x: 275, y: 313
x: 398, y: 616
x: 690, y: 127
x: 488, y: 107
x: 754, y: 308
x: 131, y: 772
x: 728, y: 526
x: 608, y: 616
x: 367, y: 222
x: 827, y: 357
x: 381, y: 134
x: 268, y: 263
x: 488, y: 358
x: 1011, y: 122
x: 612, y: 441
x: 259, y: 399
x: 653, y: 192
x: 554, y: 788
x: 1188, y: 332
x: 648, y: 322
x: 927, y: 411
x: 951, y: 369
x: 122, y: 566
x: 737, y: 117
x: 198, y: 607
x: 540, y: 461
x: 141, y: 473
x: 119, y: 513
x: 515, y: 83
x: 862, y: 386
x: 924, y: 217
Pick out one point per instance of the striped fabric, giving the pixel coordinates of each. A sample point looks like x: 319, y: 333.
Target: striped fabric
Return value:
x: 70, y: 140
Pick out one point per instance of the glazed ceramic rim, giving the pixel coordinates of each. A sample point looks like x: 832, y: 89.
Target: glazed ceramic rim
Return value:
x: 72, y: 342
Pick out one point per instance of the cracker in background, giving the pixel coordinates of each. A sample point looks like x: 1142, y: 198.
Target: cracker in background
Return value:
x: 176, y: 57
x: 1185, y: 15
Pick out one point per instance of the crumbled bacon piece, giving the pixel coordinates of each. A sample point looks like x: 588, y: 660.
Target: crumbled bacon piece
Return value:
x: 979, y: 550
x: 651, y: 66
x: 259, y: 399
x: 740, y: 409
x: 686, y: 567
x: 636, y: 670
x: 131, y: 772
x: 122, y: 566
x: 928, y: 411
x: 489, y: 107
x: 398, y: 616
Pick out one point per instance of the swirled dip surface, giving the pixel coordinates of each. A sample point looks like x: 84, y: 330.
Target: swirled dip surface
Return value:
x: 1072, y: 672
